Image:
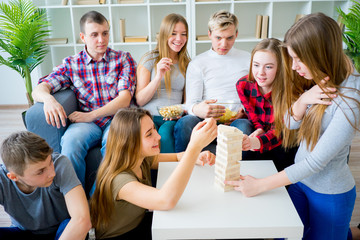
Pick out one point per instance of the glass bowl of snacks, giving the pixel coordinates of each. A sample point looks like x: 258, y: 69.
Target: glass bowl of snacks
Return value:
x: 171, y: 112
x: 231, y: 110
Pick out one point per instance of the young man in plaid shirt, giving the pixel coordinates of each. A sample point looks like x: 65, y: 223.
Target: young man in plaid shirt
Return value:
x: 103, y: 81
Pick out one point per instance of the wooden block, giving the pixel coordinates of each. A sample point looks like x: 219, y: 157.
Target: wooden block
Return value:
x: 136, y: 38
x: 231, y: 147
x: 224, y: 167
x: 228, y: 133
x: 222, y: 186
x: 122, y: 29
x: 258, y: 26
x: 229, y: 157
x: 228, y: 175
x: 102, y: 1
x: 264, y: 27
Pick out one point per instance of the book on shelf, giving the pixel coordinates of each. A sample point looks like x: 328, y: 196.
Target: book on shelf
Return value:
x: 130, y: 1
x: 258, y: 26
x: 87, y: 2
x: 264, y: 26
x: 122, y: 29
x: 202, y: 37
x: 136, y: 38
x: 298, y: 16
x: 54, y: 41
x: 64, y: 2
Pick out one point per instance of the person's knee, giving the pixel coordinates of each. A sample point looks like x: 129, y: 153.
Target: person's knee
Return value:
x: 244, y: 125
x: 186, y: 123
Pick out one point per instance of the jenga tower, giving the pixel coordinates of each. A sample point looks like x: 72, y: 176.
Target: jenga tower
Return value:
x: 228, y: 153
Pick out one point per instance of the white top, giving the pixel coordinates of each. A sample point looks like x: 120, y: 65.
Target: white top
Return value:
x: 213, y: 76
x: 204, y: 212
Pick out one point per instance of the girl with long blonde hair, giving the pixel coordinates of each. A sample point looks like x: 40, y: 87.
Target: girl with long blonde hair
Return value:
x: 161, y: 75
x: 123, y: 184
x: 318, y: 107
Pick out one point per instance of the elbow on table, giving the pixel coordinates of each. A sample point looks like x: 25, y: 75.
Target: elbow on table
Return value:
x: 168, y: 204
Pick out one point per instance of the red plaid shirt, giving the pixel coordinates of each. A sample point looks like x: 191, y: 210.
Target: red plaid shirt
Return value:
x: 259, y: 111
x: 95, y: 83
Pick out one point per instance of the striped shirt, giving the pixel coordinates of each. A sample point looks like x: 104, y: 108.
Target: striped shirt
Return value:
x: 259, y: 111
x: 95, y: 83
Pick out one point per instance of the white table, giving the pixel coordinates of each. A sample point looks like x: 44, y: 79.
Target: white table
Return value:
x: 204, y: 212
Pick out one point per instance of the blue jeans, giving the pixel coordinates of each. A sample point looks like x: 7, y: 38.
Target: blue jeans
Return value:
x: 325, y: 216
x: 78, y: 139
x: 15, y: 233
x: 182, y: 132
x: 282, y: 158
x: 166, y: 131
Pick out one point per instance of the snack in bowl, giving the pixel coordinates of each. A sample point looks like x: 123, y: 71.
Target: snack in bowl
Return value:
x: 171, y: 112
x: 231, y: 110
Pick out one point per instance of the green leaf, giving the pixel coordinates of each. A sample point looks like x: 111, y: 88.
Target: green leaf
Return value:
x: 23, y: 30
x: 351, y: 35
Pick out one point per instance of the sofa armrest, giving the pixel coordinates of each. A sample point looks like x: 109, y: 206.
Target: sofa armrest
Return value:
x: 36, y: 123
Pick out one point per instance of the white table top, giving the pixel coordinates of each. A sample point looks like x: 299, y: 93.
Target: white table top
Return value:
x: 204, y: 212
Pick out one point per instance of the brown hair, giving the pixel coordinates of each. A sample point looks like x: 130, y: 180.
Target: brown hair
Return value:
x: 23, y: 148
x: 122, y: 153
x: 316, y: 39
x: 89, y: 17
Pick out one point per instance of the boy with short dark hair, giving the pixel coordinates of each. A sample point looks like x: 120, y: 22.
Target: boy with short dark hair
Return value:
x: 40, y: 190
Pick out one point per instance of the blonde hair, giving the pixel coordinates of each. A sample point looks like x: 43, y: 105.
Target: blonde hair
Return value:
x: 316, y: 39
x: 122, y: 153
x: 221, y: 20
x: 163, y: 50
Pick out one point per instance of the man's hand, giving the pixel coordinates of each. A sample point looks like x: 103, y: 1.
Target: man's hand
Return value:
x: 54, y: 112
x: 82, y: 117
x: 204, y: 109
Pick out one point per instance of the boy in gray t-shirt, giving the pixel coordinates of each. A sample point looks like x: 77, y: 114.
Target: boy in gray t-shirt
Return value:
x: 40, y: 190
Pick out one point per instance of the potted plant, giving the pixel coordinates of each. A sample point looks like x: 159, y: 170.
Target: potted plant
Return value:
x: 23, y: 30
x: 351, y: 35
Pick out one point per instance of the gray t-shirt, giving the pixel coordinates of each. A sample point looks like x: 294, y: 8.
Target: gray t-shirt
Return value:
x: 44, y: 209
x: 325, y: 169
x: 162, y: 98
